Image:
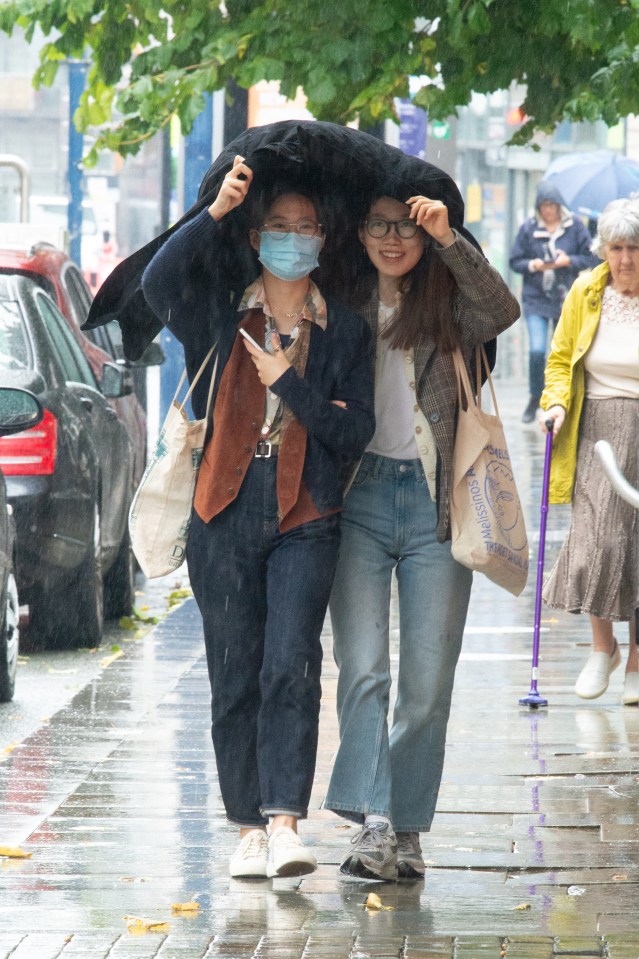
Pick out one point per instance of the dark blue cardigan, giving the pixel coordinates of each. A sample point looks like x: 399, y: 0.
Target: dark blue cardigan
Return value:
x: 192, y: 298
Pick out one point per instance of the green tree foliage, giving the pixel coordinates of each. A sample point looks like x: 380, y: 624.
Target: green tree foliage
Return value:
x: 153, y: 59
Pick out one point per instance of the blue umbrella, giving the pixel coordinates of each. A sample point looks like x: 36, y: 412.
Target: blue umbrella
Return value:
x: 589, y: 181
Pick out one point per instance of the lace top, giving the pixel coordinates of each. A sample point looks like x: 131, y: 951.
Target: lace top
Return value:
x: 612, y: 362
x: 619, y: 309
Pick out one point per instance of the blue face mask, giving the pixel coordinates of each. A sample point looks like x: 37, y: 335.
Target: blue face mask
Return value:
x: 289, y: 256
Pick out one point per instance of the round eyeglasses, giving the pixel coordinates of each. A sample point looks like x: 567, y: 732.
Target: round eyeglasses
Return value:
x: 281, y: 228
x: 378, y: 227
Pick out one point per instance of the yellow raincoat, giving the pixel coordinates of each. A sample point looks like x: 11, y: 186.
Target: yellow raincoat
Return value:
x: 565, y: 373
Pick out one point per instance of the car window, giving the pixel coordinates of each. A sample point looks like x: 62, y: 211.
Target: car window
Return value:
x: 100, y: 337
x: 71, y: 357
x: 79, y: 295
x: 115, y: 333
x: 15, y: 353
x: 109, y: 337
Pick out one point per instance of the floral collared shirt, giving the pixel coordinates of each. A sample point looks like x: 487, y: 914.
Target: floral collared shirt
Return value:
x: 314, y: 308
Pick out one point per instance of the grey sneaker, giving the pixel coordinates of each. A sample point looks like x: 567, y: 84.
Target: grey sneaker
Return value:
x: 410, y: 862
x: 374, y: 855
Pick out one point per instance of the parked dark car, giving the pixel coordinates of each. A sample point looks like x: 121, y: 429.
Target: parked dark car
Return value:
x: 19, y: 410
x: 59, y: 276
x: 69, y: 480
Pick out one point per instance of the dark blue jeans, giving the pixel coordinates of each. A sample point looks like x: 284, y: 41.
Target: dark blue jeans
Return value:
x: 263, y: 596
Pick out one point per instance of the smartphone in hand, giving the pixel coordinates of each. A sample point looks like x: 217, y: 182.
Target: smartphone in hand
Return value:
x: 247, y: 336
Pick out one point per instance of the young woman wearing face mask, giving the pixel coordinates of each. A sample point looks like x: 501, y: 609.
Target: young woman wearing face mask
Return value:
x: 289, y: 413
x: 424, y: 290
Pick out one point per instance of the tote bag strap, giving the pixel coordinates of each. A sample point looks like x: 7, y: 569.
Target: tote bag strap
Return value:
x: 195, y: 381
x: 463, y: 379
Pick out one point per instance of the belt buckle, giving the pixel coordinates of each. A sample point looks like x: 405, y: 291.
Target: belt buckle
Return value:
x: 263, y: 450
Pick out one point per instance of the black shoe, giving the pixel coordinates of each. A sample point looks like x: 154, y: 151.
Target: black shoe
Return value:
x: 530, y: 412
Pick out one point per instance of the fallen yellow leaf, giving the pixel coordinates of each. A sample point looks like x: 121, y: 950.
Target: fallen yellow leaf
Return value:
x: 136, y: 924
x: 111, y: 659
x: 521, y: 907
x: 620, y: 877
x: 374, y: 902
x: 14, y: 852
x: 185, y: 906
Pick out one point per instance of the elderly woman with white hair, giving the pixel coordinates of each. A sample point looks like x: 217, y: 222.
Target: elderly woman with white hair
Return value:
x: 592, y: 393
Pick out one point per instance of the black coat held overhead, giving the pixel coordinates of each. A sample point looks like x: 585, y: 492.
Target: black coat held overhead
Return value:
x: 344, y: 168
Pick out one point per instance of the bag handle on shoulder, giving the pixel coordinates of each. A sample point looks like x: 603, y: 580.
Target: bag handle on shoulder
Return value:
x: 463, y: 379
x: 195, y: 381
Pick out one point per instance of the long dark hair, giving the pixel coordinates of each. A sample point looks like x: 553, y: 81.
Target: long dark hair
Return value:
x: 426, y: 306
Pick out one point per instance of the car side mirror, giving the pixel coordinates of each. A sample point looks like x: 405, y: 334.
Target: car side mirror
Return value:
x: 117, y: 381
x: 19, y: 410
x: 153, y: 355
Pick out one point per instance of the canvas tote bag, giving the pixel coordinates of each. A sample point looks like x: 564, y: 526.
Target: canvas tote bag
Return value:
x: 160, y: 513
x: 487, y: 522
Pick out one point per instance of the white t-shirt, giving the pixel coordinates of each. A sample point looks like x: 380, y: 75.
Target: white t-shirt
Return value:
x: 394, y: 400
x: 402, y: 431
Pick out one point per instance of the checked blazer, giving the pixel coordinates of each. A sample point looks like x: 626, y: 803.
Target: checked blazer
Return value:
x: 484, y: 307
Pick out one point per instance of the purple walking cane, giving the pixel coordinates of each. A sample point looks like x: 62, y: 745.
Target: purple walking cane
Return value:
x: 534, y: 699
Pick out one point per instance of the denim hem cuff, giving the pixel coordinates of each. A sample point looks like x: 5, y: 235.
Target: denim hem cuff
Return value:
x: 283, y: 811
x: 243, y: 824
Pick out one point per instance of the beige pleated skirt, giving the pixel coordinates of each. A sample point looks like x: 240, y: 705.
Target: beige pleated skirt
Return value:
x: 596, y: 570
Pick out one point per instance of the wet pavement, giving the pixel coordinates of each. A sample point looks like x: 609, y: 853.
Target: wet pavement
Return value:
x: 48, y: 679
x: 534, y: 850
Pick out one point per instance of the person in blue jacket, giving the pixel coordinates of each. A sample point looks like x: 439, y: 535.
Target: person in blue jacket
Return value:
x: 550, y: 250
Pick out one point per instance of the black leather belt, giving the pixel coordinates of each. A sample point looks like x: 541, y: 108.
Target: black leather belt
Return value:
x: 266, y: 450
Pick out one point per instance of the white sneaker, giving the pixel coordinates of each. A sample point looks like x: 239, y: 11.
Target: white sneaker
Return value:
x: 594, y: 677
x: 249, y: 859
x: 287, y: 855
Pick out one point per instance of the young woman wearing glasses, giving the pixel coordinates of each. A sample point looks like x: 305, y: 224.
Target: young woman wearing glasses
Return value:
x: 424, y: 290
x: 293, y: 405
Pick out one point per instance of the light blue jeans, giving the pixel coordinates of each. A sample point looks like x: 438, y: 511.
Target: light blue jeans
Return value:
x: 389, y: 523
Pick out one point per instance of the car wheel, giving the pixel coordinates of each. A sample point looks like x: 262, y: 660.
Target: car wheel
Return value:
x: 88, y: 595
x: 119, y: 583
x: 77, y: 618
x: 9, y: 639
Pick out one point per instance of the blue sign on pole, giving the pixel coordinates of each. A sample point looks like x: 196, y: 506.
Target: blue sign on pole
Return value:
x: 413, y: 129
x: 77, y: 80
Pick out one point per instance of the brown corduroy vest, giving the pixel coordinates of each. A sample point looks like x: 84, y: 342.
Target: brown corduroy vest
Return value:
x: 237, y: 419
